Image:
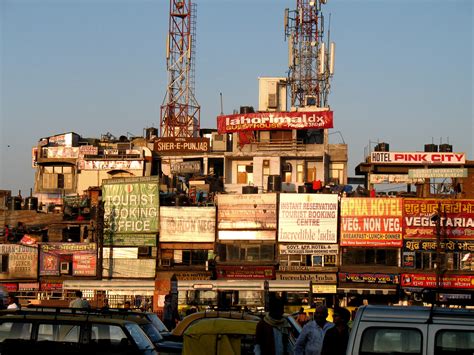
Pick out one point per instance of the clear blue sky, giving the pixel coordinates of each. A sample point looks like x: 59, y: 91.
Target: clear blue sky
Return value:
x: 403, y: 72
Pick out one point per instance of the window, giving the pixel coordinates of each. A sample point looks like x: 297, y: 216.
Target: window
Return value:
x: 58, y: 177
x: 454, y: 342
x: 4, y: 261
x: 311, y: 171
x: 59, y: 332
x: 247, y: 252
x: 244, y: 174
x: 391, y: 341
x: 308, y: 260
x: 15, y: 330
x: 299, y: 173
x: 356, y: 256
x: 184, y: 257
x: 336, y: 172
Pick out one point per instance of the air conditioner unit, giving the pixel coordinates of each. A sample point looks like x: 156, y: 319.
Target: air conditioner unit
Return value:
x: 64, y: 267
x: 165, y: 262
x: 144, y: 251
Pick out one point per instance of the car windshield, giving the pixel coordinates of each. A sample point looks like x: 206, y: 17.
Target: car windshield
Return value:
x: 152, y: 317
x: 151, y: 332
x: 140, y: 338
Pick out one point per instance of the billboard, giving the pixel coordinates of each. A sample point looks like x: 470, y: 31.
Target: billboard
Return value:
x: 419, y: 158
x: 274, y: 121
x: 188, y: 224
x: 131, y: 205
x: 246, y: 211
x: 456, y: 218
x: 308, y: 218
x: 78, y: 259
x: 20, y: 260
x: 373, y: 222
x: 430, y: 281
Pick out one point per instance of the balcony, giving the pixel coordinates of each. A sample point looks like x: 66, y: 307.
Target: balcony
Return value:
x: 280, y: 145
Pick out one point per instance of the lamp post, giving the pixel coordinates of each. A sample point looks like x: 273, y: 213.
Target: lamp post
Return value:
x: 439, y: 262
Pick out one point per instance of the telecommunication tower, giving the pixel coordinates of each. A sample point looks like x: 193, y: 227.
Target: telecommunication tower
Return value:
x: 310, y: 61
x: 180, y: 112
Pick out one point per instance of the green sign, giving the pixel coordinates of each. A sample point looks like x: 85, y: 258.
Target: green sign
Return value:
x: 131, y: 207
x: 111, y: 239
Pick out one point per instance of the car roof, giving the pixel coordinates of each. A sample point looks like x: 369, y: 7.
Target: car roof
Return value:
x: 187, y: 321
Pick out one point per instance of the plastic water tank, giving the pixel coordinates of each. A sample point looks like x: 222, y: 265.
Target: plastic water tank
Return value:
x: 31, y: 203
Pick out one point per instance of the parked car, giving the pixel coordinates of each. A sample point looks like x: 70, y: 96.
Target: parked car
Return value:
x: 412, y: 330
x: 73, y: 333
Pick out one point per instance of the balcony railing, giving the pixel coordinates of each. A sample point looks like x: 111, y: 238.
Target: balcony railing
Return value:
x: 293, y: 145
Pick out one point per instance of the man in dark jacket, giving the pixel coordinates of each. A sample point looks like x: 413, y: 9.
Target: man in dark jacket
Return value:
x: 336, y: 338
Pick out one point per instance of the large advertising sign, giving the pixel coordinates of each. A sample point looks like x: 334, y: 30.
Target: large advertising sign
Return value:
x: 274, y: 120
x: 456, y: 218
x: 417, y: 158
x: 369, y: 278
x: 373, y: 222
x: 60, y: 258
x: 21, y: 261
x: 131, y: 205
x: 431, y: 281
x: 308, y: 218
x: 188, y: 224
x: 249, y: 211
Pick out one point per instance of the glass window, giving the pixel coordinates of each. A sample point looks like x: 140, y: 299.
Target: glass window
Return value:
x: 140, y: 338
x: 454, y: 342
x: 15, y: 330
x: 355, y: 256
x: 391, y: 340
x: 59, y: 332
x: 248, y: 252
x: 299, y: 173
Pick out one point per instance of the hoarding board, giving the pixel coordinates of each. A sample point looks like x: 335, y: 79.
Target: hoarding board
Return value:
x: 181, y: 145
x: 430, y: 281
x: 187, y: 224
x: 21, y: 262
x: 419, y: 158
x: 456, y: 218
x: 80, y: 257
x: 314, y: 249
x: 129, y: 268
x: 371, y: 222
x: 131, y: 206
x: 274, y: 121
x: 369, y: 278
x: 246, y: 211
x: 308, y: 218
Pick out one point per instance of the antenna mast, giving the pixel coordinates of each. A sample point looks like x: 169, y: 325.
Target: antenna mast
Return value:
x: 311, y: 62
x: 180, y: 112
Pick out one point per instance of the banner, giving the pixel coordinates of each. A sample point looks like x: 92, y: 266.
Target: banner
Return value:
x: 274, y: 121
x: 308, y: 218
x: 188, y: 224
x: 78, y: 259
x: 246, y: 211
x: 369, y: 278
x: 456, y: 218
x: 371, y: 222
x: 131, y: 206
x: 430, y: 281
x: 417, y: 158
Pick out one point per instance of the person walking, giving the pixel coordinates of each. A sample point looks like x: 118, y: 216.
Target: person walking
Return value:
x: 272, y: 334
x: 13, y: 303
x: 79, y: 302
x: 302, y: 317
x: 310, y: 340
x: 170, y: 314
x: 336, y: 338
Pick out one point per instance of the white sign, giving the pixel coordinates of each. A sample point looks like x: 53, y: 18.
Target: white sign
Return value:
x: 417, y: 158
x: 187, y: 224
x: 437, y: 173
x: 393, y: 179
x: 120, y: 253
x: 313, y: 249
x: 308, y: 218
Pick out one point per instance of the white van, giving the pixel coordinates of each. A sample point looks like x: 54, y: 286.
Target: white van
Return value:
x: 412, y: 330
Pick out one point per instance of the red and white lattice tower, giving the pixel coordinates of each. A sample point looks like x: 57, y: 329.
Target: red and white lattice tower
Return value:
x: 311, y: 63
x: 180, y: 112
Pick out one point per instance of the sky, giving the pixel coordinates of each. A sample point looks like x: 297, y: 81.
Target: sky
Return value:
x: 403, y: 70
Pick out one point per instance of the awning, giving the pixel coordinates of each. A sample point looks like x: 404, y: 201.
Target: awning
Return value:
x: 113, y: 287
x: 221, y: 285
x: 367, y: 291
x: 288, y: 286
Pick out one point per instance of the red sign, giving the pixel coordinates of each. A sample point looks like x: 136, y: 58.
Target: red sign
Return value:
x: 445, y: 281
x: 84, y: 264
x: 51, y: 286
x: 373, y: 222
x: 245, y: 272
x: 265, y: 121
x: 11, y: 287
x: 456, y: 218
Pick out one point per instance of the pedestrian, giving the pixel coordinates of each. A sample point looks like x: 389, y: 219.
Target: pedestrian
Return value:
x: 79, y: 302
x: 302, y: 318
x: 105, y: 306
x: 13, y: 303
x: 310, y: 340
x: 127, y: 305
x: 272, y: 333
x: 170, y: 314
x: 337, y: 337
